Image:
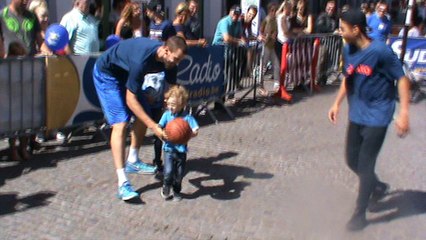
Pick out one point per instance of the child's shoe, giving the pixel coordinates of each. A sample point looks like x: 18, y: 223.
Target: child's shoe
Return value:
x: 165, y: 192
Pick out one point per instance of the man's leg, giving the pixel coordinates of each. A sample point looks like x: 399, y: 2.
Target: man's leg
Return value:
x: 111, y: 94
x: 372, y: 140
x: 353, y: 146
x: 134, y: 164
x: 118, y: 145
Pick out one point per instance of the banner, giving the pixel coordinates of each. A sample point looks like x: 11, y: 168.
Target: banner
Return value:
x: 415, y: 55
x: 201, y: 72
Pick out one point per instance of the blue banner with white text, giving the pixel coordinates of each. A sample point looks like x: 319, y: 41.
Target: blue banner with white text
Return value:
x: 202, y: 74
x: 415, y: 55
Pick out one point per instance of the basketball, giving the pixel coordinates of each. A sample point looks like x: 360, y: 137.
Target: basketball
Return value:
x: 56, y: 37
x: 178, y: 131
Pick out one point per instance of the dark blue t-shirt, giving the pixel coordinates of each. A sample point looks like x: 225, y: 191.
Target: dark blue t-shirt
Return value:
x: 162, y: 31
x: 130, y: 60
x: 371, y: 76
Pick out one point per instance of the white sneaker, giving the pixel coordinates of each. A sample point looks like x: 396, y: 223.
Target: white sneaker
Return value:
x: 60, y: 136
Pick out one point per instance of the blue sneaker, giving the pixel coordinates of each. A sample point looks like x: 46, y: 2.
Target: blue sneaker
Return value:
x: 126, y: 192
x: 139, y: 167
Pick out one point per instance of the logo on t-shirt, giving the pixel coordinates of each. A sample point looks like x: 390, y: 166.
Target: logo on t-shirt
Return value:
x: 361, y: 69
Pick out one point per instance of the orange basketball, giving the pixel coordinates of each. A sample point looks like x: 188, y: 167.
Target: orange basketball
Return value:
x: 178, y: 131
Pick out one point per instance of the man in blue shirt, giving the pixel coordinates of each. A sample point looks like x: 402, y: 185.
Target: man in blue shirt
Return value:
x: 379, y: 23
x: 229, y: 29
x: 118, y: 76
x: 372, y: 74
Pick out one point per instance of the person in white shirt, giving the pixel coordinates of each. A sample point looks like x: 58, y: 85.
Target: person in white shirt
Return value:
x: 416, y: 30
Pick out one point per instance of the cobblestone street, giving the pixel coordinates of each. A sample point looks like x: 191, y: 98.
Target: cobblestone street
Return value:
x: 275, y: 172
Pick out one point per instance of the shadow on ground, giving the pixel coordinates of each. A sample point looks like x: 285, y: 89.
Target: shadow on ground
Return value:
x: 220, y: 180
x: 400, y: 204
x: 10, y: 202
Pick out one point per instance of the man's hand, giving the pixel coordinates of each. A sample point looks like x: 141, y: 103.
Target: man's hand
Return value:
x: 402, y: 125
x: 332, y: 113
x: 159, y: 132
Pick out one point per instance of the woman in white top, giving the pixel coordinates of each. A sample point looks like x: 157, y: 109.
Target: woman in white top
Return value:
x: 283, y: 24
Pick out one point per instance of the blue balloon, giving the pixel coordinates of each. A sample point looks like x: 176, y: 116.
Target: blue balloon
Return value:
x: 111, y: 40
x: 56, y: 37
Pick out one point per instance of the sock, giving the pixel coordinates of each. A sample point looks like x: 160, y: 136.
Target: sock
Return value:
x: 133, y: 155
x: 121, y: 176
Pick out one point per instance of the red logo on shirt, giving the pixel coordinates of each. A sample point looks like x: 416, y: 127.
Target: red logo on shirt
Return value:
x: 361, y: 69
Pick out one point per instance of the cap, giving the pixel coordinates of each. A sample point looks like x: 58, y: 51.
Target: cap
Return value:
x: 236, y: 9
x: 355, y: 17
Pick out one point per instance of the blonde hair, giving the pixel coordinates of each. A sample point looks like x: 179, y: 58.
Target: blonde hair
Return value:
x: 127, y: 13
x: 37, y: 3
x: 178, y: 92
x: 181, y: 7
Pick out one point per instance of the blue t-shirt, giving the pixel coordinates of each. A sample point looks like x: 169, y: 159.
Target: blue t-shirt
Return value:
x: 130, y: 60
x: 169, y: 116
x: 380, y: 28
x: 371, y: 76
x: 227, y: 26
x: 162, y: 31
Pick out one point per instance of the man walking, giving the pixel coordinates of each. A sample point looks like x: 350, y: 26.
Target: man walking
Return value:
x: 371, y: 70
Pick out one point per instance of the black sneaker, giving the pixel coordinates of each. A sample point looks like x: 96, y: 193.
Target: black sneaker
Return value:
x: 379, y: 191
x: 177, y: 197
x: 357, y: 222
x: 165, y: 192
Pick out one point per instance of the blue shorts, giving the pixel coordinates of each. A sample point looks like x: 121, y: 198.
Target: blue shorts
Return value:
x: 112, y: 96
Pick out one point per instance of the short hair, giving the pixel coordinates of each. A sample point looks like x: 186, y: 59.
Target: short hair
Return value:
x: 179, y: 92
x: 254, y: 7
x: 175, y: 42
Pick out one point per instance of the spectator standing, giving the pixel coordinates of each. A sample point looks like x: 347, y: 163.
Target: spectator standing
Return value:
x: 118, y: 77
x: 229, y: 32
x: 371, y: 98
x: 115, y: 14
x: 175, y: 155
x: 193, y: 25
x: 160, y: 28
x: 229, y: 29
x: 416, y: 29
x: 182, y: 15
x: 379, y: 23
x: 303, y: 19
x: 82, y: 29
x: 131, y: 17
x: 326, y: 21
x: 40, y: 9
x: 247, y: 22
x: 283, y: 27
x: 365, y: 8
x: 17, y: 24
x: 268, y: 35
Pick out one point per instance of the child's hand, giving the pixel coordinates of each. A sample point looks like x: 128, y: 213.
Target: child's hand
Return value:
x: 194, y: 133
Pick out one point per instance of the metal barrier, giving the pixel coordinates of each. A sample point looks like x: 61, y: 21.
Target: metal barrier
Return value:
x: 22, y: 91
x: 311, y: 59
x: 242, y: 68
